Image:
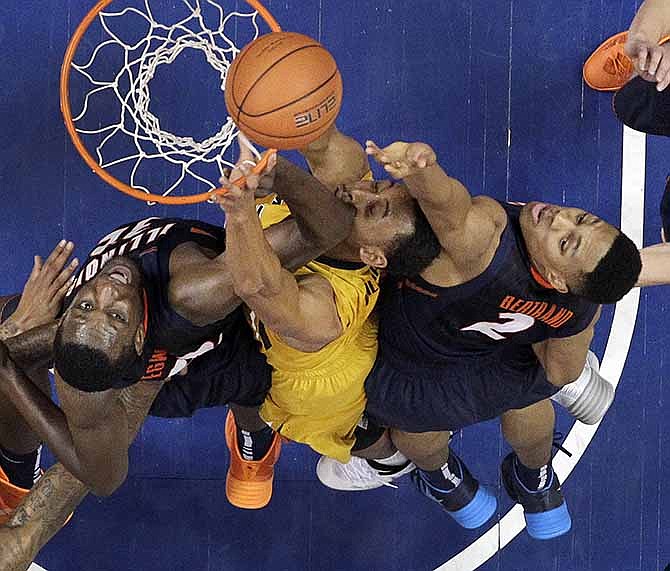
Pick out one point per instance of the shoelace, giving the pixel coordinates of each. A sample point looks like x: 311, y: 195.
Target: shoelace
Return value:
x: 619, y: 65
x: 359, y: 469
x: 250, y: 470
x: 558, y: 441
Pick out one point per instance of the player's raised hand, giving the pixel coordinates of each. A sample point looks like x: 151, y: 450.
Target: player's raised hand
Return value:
x: 46, y: 287
x: 651, y: 61
x: 402, y: 159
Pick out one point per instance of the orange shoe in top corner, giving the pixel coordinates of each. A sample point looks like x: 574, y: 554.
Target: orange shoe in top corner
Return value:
x: 608, y: 67
x: 10, y: 497
x: 249, y: 483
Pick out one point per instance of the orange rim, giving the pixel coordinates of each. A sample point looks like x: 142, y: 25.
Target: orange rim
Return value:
x: 83, y: 151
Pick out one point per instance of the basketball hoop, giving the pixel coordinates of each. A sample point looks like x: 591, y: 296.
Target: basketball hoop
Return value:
x: 129, y: 86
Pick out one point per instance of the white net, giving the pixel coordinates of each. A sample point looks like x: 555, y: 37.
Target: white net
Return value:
x: 112, y: 110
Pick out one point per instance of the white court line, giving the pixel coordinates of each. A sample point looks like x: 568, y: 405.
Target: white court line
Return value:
x: 616, y: 351
x: 36, y: 567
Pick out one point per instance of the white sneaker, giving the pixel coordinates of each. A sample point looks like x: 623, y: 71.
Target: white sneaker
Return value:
x: 589, y: 397
x: 359, y: 474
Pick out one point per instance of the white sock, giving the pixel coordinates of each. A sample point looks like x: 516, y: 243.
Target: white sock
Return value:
x: 397, y: 459
x: 580, y: 382
x: 570, y: 392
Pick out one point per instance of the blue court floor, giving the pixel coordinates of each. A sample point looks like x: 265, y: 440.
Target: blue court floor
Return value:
x: 496, y: 88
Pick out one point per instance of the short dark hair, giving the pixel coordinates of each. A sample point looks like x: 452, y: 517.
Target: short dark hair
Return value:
x: 91, y: 370
x: 615, y: 275
x: 410, y: 254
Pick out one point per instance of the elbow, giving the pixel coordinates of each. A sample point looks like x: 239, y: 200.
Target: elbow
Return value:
x: 265, y: 284
x: 246, y: 289
x: 105, y: 487
x: 105, y: 490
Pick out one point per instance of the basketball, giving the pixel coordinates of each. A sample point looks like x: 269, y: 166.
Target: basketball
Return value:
x: 283, y: 90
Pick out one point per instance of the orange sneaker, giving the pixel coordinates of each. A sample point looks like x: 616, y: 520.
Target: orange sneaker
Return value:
x: 10, y: 497
x: 608, y: 67
x: 249, y: 483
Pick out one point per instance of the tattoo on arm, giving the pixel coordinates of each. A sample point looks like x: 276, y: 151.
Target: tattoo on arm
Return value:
x: 39, y: 517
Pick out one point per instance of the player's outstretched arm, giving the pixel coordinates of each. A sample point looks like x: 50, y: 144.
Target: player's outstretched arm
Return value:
x: 461, y: 227
x: 55, y: 496
x: 289, y: 307
x: 335, y: 158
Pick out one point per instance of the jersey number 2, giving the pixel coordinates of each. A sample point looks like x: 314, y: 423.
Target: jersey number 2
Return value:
x: 516, y: 322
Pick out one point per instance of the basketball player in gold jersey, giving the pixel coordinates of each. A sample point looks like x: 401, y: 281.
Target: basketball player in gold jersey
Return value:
x: 314, y: 325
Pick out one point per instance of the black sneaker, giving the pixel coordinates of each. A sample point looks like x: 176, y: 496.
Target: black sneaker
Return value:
x: 469, y: 503
x: 665, y: 212
x: 545, y: 511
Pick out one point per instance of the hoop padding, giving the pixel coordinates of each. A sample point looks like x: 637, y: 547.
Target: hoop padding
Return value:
x: 161, y: 46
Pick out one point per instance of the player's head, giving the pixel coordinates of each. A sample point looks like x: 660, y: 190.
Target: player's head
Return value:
x: 101, y: 334
x: 577, y: 252
x: 389, y: 230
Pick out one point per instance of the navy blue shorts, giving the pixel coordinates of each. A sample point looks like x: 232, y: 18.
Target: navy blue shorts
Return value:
x: 453, y: 395
x: 235, y: 371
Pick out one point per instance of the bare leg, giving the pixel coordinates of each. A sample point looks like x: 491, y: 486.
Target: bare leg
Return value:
x: 383, y: 448
x: 444, y: 478
x: 377, y: 465
x: 428, y: 450
x: 248, y: 418
x: 528, y: 476
x: 530, y: 431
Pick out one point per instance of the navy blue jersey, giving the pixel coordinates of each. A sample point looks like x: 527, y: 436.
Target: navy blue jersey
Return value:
x: 169, y: 336
x: 421, y: 323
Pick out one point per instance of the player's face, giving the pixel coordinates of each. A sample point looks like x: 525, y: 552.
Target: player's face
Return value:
x: 384, y: 211
x: 564, y: 242
x: 107, y: 312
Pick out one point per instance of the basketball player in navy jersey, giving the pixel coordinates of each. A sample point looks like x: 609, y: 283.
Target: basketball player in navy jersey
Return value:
x: 150, y: 292
x: 494, y: 327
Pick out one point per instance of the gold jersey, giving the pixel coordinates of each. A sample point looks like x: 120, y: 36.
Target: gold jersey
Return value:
x: 318, y: 398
